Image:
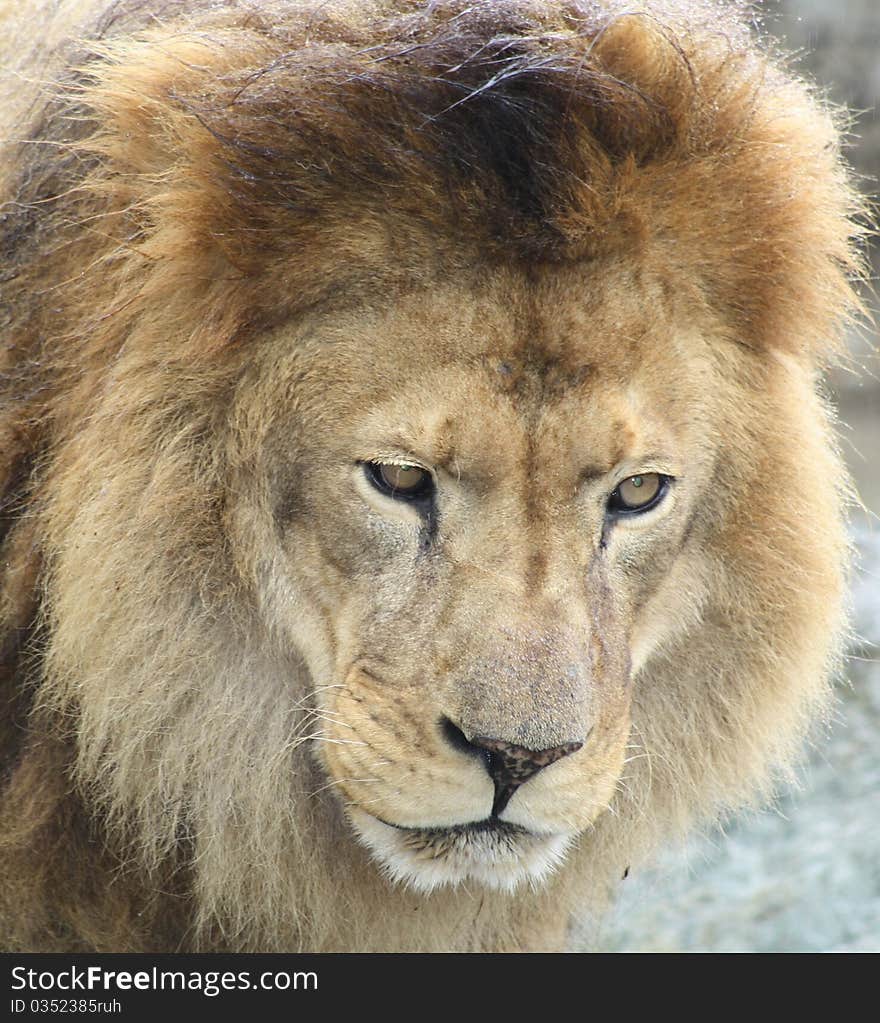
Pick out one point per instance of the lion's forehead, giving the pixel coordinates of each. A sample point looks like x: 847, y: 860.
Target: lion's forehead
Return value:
x: 517, y: 368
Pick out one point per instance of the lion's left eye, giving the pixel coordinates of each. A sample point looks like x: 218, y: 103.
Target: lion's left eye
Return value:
x: 638, y: 493
x: 402, y: 482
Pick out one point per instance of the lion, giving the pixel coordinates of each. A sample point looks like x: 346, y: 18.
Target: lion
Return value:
x: 419, y: 498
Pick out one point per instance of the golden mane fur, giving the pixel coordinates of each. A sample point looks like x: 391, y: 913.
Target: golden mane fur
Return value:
x: 182, y: 184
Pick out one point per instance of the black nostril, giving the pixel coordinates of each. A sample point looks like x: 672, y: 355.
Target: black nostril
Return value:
x: 509, y: 765
x: 458, y: 740
x: 456, y: 737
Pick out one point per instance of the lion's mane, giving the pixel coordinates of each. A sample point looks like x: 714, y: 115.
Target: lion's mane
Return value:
x: 189, y: 176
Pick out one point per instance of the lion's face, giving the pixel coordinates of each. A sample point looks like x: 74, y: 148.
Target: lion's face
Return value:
x: 481, y: 497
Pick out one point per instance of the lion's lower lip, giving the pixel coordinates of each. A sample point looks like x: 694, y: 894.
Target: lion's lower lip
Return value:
x: 492, y: 825
x: 491, y: 852
x: 489, y: 824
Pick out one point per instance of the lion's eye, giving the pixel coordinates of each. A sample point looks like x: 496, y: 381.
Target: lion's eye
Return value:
x: 638, y: 493
x: 402, y: 482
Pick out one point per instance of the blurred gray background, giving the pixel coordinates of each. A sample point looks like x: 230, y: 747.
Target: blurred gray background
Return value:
x: 804, y: 875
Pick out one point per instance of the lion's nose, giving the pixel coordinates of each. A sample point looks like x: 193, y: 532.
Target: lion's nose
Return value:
x: 509, y: 765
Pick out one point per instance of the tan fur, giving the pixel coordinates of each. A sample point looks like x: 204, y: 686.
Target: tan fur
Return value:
x: 534, y: 247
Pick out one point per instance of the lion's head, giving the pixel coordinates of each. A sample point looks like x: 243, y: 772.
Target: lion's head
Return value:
x: 416, y: 478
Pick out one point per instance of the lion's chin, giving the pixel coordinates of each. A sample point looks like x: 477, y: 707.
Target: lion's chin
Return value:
x: 490, y: 853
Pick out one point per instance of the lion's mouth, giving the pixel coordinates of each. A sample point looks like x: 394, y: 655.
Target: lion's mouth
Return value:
x: 490, y: 852
x: 490, y: 824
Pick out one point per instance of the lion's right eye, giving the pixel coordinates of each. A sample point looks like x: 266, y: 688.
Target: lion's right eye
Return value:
x: 401, y: 482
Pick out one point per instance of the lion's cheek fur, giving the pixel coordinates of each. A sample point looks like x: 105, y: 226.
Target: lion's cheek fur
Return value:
x: 770, y: 628
x: 389, y: 759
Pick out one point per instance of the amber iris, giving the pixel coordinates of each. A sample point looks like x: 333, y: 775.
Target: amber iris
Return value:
x: 399, y: 481
x: 637, y: 492
x: 402, y: 477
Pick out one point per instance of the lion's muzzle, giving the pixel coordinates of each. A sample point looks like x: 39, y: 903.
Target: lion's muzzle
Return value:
x: 439, y: 798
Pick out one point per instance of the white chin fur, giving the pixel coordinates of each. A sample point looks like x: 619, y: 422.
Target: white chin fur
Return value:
x: 425, y: 860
